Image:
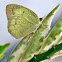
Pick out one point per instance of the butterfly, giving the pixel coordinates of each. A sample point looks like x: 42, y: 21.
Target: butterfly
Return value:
x: 21, y: 20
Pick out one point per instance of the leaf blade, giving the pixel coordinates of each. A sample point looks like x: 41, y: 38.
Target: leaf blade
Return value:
x: 18, y: 51
x: 38, y: 37
x: 2, y: 49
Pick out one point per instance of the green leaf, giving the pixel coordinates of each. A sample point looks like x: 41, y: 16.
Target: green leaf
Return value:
x: 54, y: 37
x: 2, y: 50
x: 21, y: 20
x: 47, y: 54
x: 37, y: 40
x: 19, y: 49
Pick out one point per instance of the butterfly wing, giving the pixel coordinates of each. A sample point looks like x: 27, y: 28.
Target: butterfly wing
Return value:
x: 21, y: 20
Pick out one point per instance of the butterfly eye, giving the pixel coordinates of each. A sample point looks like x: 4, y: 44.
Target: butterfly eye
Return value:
x: 40, y: 19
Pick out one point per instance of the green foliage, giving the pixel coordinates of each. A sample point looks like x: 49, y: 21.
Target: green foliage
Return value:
x: 21, y: 22
x: 19, y: 49
x: 54, y: 37
x: 37, y: 40
x: 2, y: 50
x: 47, y: 54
